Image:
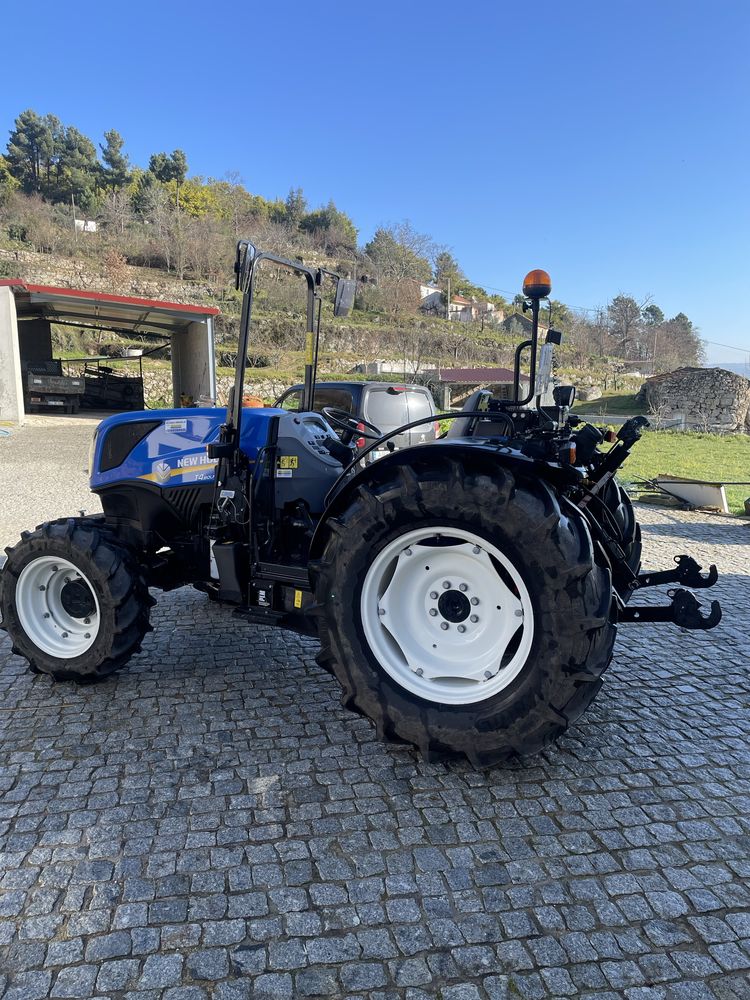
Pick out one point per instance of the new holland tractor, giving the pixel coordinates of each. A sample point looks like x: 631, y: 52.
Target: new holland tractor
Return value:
x: 466, y: 591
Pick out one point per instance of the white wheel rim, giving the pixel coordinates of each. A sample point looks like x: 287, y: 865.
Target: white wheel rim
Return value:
x: 41, y: 611
x: 450, y: 649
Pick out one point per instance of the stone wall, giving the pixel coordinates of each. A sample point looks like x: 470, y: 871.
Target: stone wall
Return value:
x: 157, y: 388
x: 157, y: 385
x: 82, y: 272
x: 710, y: 399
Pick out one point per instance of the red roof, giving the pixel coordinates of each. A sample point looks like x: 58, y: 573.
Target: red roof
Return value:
x: 78, y: 293
x: 460, y: 300
x: 477, y: 376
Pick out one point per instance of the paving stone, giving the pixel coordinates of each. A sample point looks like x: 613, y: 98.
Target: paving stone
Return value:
x: 317, y: 983
x: 194, y: 829
x: 117, y: 975
x: 27, y: 986
x: 273, y: 986
x: 76, y: 982
x: 160, y: 971
x: 208, y: 963
x: 108, y: 946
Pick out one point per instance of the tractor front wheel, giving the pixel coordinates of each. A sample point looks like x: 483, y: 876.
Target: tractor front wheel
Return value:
x: 74, y: 600
x: 464, y: 612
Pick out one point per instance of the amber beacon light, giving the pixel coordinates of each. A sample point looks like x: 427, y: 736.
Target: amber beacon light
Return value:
x: 537, y: 284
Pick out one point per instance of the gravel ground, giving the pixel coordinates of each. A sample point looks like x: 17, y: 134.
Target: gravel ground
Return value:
x: 210, y: 823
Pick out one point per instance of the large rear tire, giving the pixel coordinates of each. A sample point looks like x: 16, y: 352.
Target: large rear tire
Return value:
x: 624, y: 525
x: 463, y: 612
x: 74, y: 600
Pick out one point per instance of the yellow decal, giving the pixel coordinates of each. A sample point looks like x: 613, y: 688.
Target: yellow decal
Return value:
x: 289, y: 461
x: 298, y: 598
x: 168, y: 473
x: 310, y: 354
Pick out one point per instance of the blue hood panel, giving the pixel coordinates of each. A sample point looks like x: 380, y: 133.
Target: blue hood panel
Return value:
x: 174, y: 453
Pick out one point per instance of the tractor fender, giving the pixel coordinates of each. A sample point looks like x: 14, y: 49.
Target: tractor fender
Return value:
x: 481, y: 453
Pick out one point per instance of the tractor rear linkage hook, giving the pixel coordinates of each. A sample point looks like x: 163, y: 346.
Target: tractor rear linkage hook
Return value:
x: 687, y: 571
x: 684, y: 611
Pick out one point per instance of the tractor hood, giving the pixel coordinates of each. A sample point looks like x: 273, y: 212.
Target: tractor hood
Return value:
x: 168, y: 447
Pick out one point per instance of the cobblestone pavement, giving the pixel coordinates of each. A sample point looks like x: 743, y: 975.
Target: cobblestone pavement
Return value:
x: 210, y: 823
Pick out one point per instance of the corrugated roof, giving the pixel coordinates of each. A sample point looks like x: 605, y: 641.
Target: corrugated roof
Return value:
x: 100, y: 309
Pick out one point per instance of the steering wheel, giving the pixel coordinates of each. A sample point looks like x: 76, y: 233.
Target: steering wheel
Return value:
x: 351, y: 425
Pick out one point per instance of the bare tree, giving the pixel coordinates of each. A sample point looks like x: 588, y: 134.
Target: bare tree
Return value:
x: 659, y: 410
x: 401, y: 258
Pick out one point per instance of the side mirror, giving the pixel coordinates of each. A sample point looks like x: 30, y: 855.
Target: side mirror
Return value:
x: 344, y: 303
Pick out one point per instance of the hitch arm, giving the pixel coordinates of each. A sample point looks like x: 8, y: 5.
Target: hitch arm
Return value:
x: 687, y: 571
x: 684, y: 611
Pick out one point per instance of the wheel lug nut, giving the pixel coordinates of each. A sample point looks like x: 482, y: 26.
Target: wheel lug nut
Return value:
x: 433, y: 612
x: 407, y: 552
x: 65, y: 635
x: 476, y: 550
x: 519, y: 613
x: 474, y: 618
x: 463, y: 587
x: 443, y: 626
x: 381, y: 611
x: 446, y: 585
x: 487, y: 674
x: 86, y: 621
x: 46, y: 614
x: 42, y: 587
x: 86, y: 635
x: 419, y: 671
x: 475, y: 601
x: 461, y: 628
x: 433, y: 595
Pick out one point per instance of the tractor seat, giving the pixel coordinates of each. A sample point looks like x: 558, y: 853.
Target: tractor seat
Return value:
x: 461, y: 426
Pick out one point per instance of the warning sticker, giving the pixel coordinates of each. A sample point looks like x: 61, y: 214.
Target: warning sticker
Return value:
x: 298, y: 598
x: 283, y: 473
x: 175, y: 425
x: 288, y: 462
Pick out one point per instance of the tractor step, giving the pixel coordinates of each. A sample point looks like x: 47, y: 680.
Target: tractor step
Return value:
x: 687, y: 571
x: 684, y: 611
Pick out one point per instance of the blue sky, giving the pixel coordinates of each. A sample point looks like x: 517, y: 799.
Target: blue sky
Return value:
x: 605, y: 141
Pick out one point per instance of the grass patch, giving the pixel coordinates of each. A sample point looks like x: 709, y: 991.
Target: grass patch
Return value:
x: 713, y: 457
x: 610, y: 402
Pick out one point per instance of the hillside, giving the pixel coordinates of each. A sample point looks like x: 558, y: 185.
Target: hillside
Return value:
x: 95, y: 220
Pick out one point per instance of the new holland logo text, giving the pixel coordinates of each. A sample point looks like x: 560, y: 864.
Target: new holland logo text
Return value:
x: 190, y: 461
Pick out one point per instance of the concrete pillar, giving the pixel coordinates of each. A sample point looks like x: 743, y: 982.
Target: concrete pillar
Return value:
x: 193, y: 362
x: 35, y: 340
x: 11, y: 387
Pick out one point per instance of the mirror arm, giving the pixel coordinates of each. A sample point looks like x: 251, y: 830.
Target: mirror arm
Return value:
x: 312, y: 332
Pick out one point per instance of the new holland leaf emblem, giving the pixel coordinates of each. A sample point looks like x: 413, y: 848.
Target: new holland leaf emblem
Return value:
x: 162, y: 471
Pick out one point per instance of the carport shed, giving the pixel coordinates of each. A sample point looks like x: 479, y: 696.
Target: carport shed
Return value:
x: 27, y: 312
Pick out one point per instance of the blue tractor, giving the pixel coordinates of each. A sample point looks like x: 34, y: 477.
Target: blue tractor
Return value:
x: 466, y: 591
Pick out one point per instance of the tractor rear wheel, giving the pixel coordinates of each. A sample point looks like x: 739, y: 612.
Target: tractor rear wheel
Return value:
x: 464, y: 612
x: 74, y: 600
x: 628, y: 532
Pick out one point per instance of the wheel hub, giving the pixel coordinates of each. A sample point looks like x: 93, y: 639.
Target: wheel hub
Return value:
x: 76, y: 599
x: 454, y: 606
